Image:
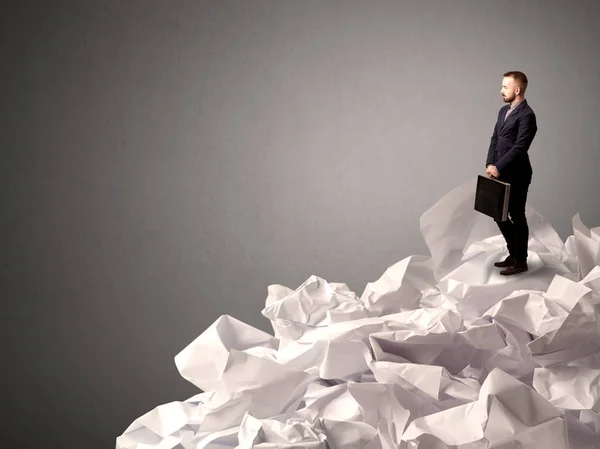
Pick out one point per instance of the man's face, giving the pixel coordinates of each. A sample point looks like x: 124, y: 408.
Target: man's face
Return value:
x: 509, y: 89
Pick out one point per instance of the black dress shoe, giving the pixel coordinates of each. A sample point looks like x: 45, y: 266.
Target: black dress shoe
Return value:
x: 508, y: 262
x: 519, y: 267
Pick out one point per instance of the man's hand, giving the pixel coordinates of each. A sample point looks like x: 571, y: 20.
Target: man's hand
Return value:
x: 492, y: 171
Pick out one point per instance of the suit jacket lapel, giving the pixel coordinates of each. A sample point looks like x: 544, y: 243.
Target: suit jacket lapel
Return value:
x: 502, y: 116
x: 512, y: 114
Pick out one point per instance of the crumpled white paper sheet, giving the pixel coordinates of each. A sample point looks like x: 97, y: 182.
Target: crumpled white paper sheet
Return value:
x: 202, y: 361
x: 507, y: 413
x: 440, y: 352
x: 587, y: 243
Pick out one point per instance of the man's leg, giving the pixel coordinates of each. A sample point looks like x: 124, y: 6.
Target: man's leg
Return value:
x: 507, y: 230
x: 519, y: 228
x: 516, y: 210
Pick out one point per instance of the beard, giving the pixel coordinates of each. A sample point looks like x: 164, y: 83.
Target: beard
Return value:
x: 509, y: 98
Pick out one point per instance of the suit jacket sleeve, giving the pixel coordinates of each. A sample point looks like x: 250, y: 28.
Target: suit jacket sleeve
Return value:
x: 491, y: 156
x: 526, y: 133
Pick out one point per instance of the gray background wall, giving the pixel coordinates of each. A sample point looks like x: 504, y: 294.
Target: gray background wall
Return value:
x: 163, y: 162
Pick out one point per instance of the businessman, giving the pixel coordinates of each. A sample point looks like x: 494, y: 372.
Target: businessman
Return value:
x: 508, y: 161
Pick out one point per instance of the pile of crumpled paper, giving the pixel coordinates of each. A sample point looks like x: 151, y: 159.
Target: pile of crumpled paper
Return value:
x: 440, y: 352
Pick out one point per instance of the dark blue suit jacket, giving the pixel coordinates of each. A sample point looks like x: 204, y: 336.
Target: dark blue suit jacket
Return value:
x: 511, y: 141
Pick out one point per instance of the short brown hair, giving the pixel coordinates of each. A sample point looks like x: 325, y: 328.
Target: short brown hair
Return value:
x: 519, y: 77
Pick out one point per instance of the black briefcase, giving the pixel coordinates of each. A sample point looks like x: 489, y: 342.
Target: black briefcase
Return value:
x: 491, y: 197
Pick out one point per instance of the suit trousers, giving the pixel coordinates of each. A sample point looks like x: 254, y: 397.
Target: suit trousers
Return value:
x: 515, y: 230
